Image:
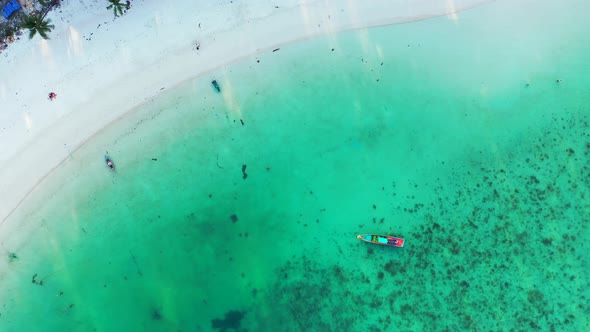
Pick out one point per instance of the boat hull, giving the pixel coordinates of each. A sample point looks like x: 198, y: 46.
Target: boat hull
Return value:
x: 383, y: 240
x: 109, y: 163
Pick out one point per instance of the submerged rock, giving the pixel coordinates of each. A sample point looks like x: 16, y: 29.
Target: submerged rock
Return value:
x: 232, y: 320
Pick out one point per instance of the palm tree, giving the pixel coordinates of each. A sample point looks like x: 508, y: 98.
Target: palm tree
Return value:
x: 117, y: 7
x: 38, y: 24
x: 47, y: 3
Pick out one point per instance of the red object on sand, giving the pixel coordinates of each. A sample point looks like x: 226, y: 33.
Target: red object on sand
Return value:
x: 52, y: 95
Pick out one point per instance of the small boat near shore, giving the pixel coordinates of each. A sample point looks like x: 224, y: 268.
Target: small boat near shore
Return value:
x: 109, y: 162
x: 216, y: 85
x: 384, y: 240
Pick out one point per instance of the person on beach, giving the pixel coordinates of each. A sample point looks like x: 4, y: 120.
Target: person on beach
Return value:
x: 52, y: 95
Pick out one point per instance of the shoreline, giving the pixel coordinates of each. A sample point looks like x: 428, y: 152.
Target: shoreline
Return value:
x: 41, y: 134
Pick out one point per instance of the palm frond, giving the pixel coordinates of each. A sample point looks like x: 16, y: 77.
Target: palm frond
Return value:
x: 36, y: 24
x: 117, y: 7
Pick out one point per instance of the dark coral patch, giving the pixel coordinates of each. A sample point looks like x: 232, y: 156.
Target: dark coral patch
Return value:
x: 156, y: 314
x: 231, y: 321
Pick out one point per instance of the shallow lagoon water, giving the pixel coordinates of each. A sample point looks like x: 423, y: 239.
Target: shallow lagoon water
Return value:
x: 425, y: 130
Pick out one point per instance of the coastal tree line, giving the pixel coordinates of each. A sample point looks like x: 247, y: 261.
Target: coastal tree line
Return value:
x: 37, y: 22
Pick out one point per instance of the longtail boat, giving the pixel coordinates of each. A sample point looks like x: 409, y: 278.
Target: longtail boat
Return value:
x: 216, y: 85
x: 384, y: 240
x: 109, y: 162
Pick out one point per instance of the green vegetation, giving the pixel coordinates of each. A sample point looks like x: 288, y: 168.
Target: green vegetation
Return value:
x: 32, y: 18
x: 9, y: 30
x: 48, y: 3
x: 117, y: 7
x: 38, y: 24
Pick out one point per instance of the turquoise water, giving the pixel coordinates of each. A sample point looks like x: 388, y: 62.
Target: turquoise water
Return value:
x: 427, y: 131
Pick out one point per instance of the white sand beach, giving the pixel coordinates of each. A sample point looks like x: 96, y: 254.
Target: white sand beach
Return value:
x: 101, y: 67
